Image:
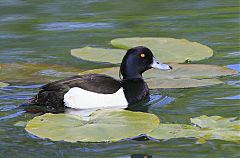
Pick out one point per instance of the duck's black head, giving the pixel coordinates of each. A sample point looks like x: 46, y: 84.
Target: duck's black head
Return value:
x: 137, y: 60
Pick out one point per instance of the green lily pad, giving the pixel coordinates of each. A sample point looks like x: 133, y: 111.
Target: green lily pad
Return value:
x: 167, y: 49
x: 3, y: 84
x: 198, y: 71
x: 169, y: 131
x: 224, y: 134
x: 214, y: 122
x: 182, y: 75
x: 213, y: 127
x: 113, y: 56
x: 103, y: 126
x: 35, y: 73
x: 155, y: 83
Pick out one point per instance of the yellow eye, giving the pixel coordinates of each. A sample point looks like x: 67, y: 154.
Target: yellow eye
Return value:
x: 142, y: 55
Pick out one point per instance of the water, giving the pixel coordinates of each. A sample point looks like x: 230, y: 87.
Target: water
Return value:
x: 44, y: 32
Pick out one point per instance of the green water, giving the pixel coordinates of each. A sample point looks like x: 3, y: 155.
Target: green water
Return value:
x: 45, y: 31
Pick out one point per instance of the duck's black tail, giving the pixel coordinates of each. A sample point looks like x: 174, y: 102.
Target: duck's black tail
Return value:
x: 45, y: 101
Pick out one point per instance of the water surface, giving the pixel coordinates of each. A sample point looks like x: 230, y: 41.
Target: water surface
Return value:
x: 45, y: 31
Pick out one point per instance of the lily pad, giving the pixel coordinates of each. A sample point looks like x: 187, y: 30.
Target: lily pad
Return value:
x: 113, y: 56
x: 155, y: 83
x: 35, y: 73
x: 167, y: 49
x: 3, y: 84
x: 198, y: 71
x: 182, y: 75
x: 214, y: 122
x: 213, y: 127
x: 115, y: 125
x: 169, y: 131
x: 103, y: 126
x: 224, y: 134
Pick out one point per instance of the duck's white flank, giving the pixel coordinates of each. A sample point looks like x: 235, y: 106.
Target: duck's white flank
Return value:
x: 79, y: 98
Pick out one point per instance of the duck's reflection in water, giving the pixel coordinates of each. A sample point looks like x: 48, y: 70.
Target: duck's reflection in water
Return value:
x: 151, y: 102
x: 141, y: 156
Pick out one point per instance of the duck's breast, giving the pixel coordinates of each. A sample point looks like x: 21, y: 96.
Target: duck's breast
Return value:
x: 79, y: 98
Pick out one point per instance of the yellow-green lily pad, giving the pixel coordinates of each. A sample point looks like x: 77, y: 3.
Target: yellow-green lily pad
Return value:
x: 206, y: 128
x: 113, y: 56
x: 182, y: 75
x: 103, y: 126
x: 224, y: 134
x: 169, y: 131
x: 167, y: 49
x: 155, y: 83
x: 35, y: 73
x: 3, y: 84
x: 214, y: 122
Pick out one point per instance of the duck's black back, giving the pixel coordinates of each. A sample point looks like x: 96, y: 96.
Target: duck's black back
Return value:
x: 51, y: 95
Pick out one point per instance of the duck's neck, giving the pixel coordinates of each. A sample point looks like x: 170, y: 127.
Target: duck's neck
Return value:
x: 135, y: 89
x: 130, y: 71
x: 132, y: 77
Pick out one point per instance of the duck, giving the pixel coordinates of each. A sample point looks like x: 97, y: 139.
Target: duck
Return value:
x: 99, y: 91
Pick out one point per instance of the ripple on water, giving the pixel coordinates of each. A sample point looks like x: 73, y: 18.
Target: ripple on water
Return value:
x: 233, y: 54
x: 231, y: 97
x: 16, y: 114
x: 8, y: 107
x: 12, y: 3
x: 73, y: 26
x: 235, y: 67
x: 10, y: 36
x: 13, y: 18
x: 55, y: 73
x: 158, y: 101
x: 11, y: 97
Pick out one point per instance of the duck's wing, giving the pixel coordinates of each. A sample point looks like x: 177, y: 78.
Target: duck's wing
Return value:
x: 91, y: 82
x: 51, y: 95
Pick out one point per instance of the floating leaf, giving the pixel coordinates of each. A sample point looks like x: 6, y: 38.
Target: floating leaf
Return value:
x: 35, y: 73
x: 224, y: 134
x: 182, y: 75
x: 213, y: 127
x: 3, y: 84
x: 214, y: 122
x: 155, y: 83
x: 167, y: 49
x: 198, y: 71
x: 103, y: 126
x: 168, y: 131
x: 99, y: 54
x: 108, y: 125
